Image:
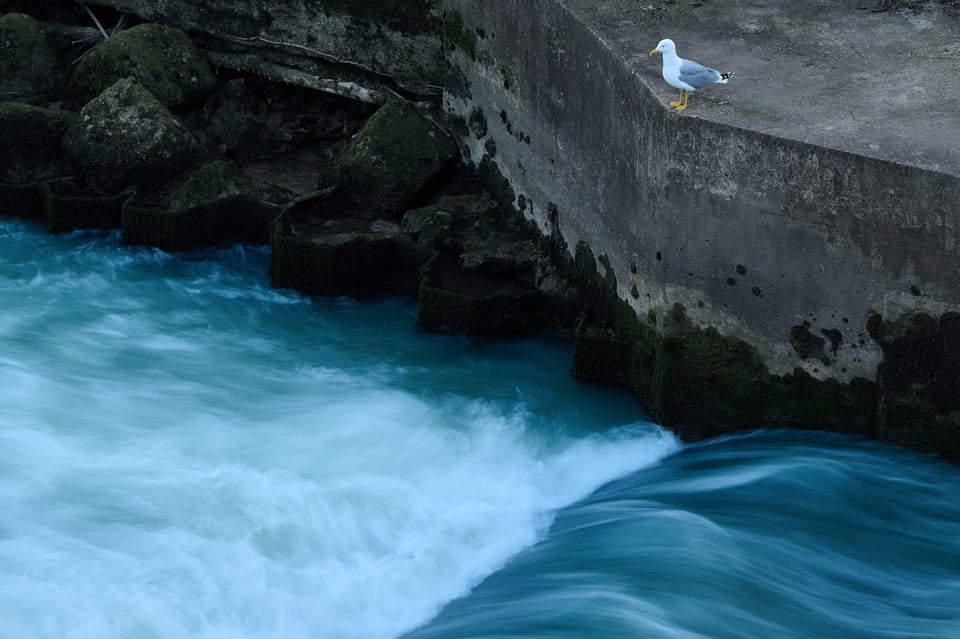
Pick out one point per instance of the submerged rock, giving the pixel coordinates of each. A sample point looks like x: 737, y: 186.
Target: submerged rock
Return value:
x: 125, y: 136
x: 30, y: 138
x: 161, y: 58
x: 391, y: 158
x: 28, y: 66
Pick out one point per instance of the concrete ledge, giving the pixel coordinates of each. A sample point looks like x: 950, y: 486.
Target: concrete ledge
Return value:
x: 759, y: 216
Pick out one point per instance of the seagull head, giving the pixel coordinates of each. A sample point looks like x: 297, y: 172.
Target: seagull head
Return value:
x: 665, y: 46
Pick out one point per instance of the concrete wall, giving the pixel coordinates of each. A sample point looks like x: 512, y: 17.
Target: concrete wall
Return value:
x: 752, y: 234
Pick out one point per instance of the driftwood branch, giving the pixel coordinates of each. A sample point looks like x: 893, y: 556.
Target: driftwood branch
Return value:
x: 329, y: 57
x: 92, y: 15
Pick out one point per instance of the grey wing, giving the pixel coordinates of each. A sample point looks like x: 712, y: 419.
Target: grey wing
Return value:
x: 697, y: 75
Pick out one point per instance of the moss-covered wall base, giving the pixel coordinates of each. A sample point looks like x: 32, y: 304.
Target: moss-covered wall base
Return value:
x: 210, y: 223
x: 702, y: 384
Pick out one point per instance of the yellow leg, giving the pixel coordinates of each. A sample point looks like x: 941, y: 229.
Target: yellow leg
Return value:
x: 686, y: 96
x: 679, y: 100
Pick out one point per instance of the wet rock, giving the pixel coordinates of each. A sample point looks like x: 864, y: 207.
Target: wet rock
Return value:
x: 160, y: 58
x: 456, y: 301
x: 125, y: 136
x: 396, y: 153
x: 28, y: 66
x: 921, y: 390
x: 480, y: 234
x: 219, y: 180
x: 234, y: 219
x: 334, y: 254
x: 481, y: 279
x: 30, y: 138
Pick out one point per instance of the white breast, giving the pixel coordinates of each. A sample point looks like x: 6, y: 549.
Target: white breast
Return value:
x: 671, y: 73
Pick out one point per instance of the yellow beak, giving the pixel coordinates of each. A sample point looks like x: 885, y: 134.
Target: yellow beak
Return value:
x: 655, y: 51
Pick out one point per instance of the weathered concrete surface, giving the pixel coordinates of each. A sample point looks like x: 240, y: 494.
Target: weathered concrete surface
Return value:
x: 821, y: 185
x: 833, y: 73
x: 313, y: 42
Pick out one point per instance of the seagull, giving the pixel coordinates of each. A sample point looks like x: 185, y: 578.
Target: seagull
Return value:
x: 686, y: 75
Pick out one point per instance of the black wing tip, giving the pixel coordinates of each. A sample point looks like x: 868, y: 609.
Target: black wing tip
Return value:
x: 726, y: 76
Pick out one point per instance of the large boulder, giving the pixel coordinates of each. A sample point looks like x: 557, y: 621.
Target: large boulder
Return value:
x: 125, y: 136
x: 219, y: 180
x: 30, y: 138
x: 391, y: 158
x: 28, y: 66
x: 161, y: 58
x: 483, y: 279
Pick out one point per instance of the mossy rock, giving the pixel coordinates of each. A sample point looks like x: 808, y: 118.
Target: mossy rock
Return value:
x: 354, y: 264
x: 921, y: 356
x: 66, y: 211
x: 28, y: 65
x: 436, y: 226
x: 30, y: 138
x: 219, y: 180
x: 485, y: 236
x: 391, y: 158
x: 234, y: 219
x: 232, y: 123
x: 161, y: 58
x: 458, y: 35
x: 125, y: 136
x: 23, y: 201
x: 509, y: 312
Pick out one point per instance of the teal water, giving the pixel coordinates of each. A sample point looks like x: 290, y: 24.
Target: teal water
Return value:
x: 187, y: 452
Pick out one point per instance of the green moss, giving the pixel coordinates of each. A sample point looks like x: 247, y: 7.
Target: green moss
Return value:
x: 30, y: 138
x: 458, y: 35
x: 160, y: 58
x: 210, y: 182
x: 64, y: 211
x: 698, y: 382
x: 28, y: 66
x: 393, y: 156
x: 920, y: 381
x: 206, y: 224
x: 126, y: 136
x: 354, y: 264
x: 723, y: 377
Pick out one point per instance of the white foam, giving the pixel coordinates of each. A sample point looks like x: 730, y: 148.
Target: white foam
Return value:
x: 328, y: 522
x: 169, y: 473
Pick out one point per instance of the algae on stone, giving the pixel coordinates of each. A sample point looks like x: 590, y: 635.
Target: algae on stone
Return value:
x: 161, y: 58
x: 125, y: 136
x: 219, y: 180
x: 458, y: 35
x: 391, y: 158
x: 919, y: 381
x: 696, y: 381
x: 30, y: 138
x: 28, y: 66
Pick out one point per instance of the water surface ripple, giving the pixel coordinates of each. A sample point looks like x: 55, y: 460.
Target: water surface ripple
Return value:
x: 187, y: 452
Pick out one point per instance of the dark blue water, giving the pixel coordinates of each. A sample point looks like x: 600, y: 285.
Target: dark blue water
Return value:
x: 187, y: 452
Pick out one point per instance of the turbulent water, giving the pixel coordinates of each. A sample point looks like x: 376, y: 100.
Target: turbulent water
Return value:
x: 186, y: 452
